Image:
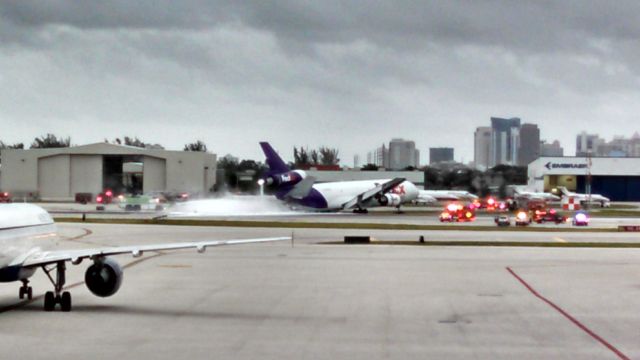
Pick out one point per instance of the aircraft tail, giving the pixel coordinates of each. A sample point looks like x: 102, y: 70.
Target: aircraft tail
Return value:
x: 564, y: 191
x: 274, y: 161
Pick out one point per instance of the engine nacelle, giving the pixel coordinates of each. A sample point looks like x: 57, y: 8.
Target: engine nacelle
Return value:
x: 390, y: 200
x: 104, y: 277
x: 289, y: 178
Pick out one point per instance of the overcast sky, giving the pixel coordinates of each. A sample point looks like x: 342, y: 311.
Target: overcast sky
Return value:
x: 350, y: 75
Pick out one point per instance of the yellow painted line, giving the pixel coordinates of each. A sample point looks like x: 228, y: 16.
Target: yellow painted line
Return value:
x: 559, y: 239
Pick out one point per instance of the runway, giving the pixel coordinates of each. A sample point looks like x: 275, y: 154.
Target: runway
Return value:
x: 274, y: 301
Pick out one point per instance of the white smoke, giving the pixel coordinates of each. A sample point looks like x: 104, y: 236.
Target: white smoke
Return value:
x: 232, y: 205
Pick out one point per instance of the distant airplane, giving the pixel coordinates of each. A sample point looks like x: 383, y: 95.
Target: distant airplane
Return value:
x: 432, y: 196
x: 521, y: 197
x: 522, y: 193
x: 603, y: 201
x: 296, y: 188
x: 26, y: 230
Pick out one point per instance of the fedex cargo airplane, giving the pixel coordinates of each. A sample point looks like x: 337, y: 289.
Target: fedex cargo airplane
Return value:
x: 27, y: 243
x: 296, y: 188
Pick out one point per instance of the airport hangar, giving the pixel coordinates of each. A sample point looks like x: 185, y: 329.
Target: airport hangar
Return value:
x: 58, y: 174
x: 617, y: 178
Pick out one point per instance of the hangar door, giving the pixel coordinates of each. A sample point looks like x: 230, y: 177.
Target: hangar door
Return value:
x: 154, y: 174
x: 54, y: 177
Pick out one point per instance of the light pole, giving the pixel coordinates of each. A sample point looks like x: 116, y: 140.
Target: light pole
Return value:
x: 588, y: 179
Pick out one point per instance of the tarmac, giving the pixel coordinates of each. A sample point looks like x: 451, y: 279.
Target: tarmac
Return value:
x: 305, y: 300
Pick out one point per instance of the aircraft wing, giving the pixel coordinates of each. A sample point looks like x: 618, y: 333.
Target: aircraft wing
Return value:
x: 370, y: 194
x: 76, y: 256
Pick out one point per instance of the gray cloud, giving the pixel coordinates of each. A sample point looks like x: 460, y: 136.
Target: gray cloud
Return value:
x: 348, y: 74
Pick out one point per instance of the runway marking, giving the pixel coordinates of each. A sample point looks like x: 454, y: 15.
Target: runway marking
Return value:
x: 575, y: 321
x: 174, y: 266
x: 559, y: 239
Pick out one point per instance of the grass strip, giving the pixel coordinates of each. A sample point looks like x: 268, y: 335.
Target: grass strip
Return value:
x: 322, y: 225
x: 545, y: 244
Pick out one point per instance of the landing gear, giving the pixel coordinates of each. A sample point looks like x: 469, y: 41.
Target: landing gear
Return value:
x: 52, y: 298
x: 50, y: 301
x: 25, y: 290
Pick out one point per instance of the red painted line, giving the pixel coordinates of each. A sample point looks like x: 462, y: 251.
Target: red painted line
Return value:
x: 575, y: 321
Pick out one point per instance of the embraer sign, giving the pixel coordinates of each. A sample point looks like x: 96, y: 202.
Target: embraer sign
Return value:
x: 551, y: 165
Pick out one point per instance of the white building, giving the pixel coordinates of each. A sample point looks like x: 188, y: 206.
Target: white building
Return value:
x: 60, y: 173
x: 482, y: 147
x: 402, y: 154
x: 615, y: 178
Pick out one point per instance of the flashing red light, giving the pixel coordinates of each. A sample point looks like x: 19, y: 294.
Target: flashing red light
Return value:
x: 552, y: 211
x: 582, y: 217
x: 99, y: 198
x: 109, y: 193
x: 6, y: 194
x: 537, y: 212
x: 452, y: 207
x: 491, y: 201
x: 502, y: 206
x: 522, y: 215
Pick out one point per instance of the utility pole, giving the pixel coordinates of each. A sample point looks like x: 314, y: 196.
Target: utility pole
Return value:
x: 588, y: 179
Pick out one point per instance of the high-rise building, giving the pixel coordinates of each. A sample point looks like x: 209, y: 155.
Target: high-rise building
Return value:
x: 529, y: 147
x: 438, y: 155
x: 402, y: 154
x: 482, y: 147
x: 553, y: 149
x: 379, y: 157
x: 505, y: 140
x: 586, y: 143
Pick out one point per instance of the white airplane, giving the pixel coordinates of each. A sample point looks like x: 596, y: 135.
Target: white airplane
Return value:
x: 27, y: 231
x: 521, y: 193
x: 521, y: 197
x: 433, y: 196
x: 298, y: 189
x: 603, y: 201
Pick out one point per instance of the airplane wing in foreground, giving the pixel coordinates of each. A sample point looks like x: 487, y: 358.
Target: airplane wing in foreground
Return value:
x: 76, y: 256
x: 362, y: 199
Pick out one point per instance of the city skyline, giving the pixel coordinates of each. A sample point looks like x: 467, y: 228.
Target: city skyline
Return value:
x: 336, y: 74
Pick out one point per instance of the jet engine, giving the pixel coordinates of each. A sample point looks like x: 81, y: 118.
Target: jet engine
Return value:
x: 104, y: 277
x: 390, y: 200
x: 289, y: 178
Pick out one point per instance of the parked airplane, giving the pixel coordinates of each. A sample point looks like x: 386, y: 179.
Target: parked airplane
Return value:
x: 27, y: 230
x: 521, y: 197
x: 603, y: 201
x: 432, y: 196
x: 295, y: 187
x: 521, y: 193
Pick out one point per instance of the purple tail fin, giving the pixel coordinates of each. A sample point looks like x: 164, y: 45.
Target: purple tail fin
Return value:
x: 275, y: 163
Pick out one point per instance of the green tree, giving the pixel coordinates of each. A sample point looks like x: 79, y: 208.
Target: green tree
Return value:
x: 369, y: 167
x: 196, y: 146
x: 50, y: 141
x: 301, y: 157
x: 329, y: 156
